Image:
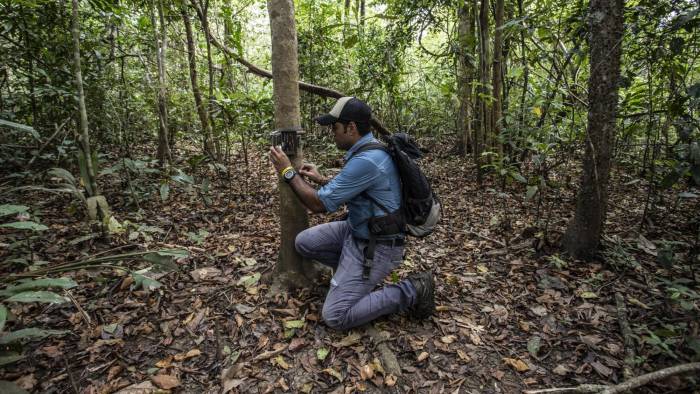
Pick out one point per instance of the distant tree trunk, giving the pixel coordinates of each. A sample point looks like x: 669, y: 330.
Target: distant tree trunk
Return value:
x: 583, y: 234
x: 290, y: 269
x: 362, y: 12
x: 91, y: 183
x: 482, y: 104
x: 465, y: 64
x: 210, y: 69
x: 526, y: 73
x: 161, y: 47
x: 497, y: 78
x: 201, y: 108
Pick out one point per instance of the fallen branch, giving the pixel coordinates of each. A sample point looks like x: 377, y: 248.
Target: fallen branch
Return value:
x: 628, y: 385
x: 389, y: 361
x: 307, y: 87
x: 626, y: 331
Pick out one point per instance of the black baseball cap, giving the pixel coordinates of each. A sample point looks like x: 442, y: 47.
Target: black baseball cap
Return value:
x: 347, y: 109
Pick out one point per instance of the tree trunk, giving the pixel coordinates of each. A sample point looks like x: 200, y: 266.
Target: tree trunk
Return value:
x: 497, y: 78
x: 201, y: 108
x: 91, y: 184
x: 161, y: 47
x: 483, y: 106
x: 583, y: 234
x: 290, y: 269
x: 210, y: 70
x: 467, y: 49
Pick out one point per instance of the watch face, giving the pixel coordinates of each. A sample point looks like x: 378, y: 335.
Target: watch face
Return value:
x: 289, y: 175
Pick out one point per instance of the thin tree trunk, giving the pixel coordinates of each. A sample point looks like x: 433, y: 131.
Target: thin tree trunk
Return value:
x: 483, y: 105
x: 91, y: 183
x: 526, y: 74
x: 583, y: 234
x: 210, y: 71
x: 161, y: 48
x: 201, y: 108
x: 497, y: 78
x: 465, y: 72
x: 290, y: 269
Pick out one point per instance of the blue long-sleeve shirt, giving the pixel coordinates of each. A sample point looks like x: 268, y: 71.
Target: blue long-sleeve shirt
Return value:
x: 373, y: 171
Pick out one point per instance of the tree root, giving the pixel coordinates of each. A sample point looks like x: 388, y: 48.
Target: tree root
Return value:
x: 627, y: 371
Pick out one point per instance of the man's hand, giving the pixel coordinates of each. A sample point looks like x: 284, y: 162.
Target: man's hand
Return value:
x: 279, y: 159
x: 311, y: 171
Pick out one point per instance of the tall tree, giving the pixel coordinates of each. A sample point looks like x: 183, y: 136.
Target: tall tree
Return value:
x: 199, y: 103
x: 290, y: 268
x: 161, y: 41
x: 465, y: 71
x: 483, y: 103
x: 583, y: 234
x: 90, y: 182
x: 497, y: 77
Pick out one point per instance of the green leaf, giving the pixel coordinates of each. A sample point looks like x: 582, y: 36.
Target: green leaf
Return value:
x: 29, y: 334
x: 322, y: 353
x: 38, y: 296
x: 518, y: 177
x: 3, y: 316
x: 28, y: 225
x: 294, y: 324
x: 249, y: 280
x: 64, y: 174
x: 164, y: 192
x: 161, y: 263
x: 9, y: 358
x: 31, y: 284
x: 350, y: 41
x: 144, y: 282
x: 20, y: 127
x: 8, y: 209
x: 531, y: 190
x: 533, y: 345
x: 11, y: 388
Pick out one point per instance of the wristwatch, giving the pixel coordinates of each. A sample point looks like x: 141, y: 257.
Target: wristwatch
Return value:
x: 289, y: 175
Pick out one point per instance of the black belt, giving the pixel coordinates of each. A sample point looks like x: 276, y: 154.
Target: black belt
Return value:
x: 389, y: 242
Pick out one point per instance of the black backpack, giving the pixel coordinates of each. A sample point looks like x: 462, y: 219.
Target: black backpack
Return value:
x: 420, y: 206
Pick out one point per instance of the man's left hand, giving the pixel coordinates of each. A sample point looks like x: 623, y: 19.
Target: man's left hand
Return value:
x: 279, y: 159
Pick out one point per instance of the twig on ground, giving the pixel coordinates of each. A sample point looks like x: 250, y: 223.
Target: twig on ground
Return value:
x: 626, y: 331
x: 625, y: 386
x: 80, y: 308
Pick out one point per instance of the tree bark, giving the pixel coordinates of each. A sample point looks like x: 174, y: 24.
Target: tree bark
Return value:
x: 290, y: 270
x: 465, y: 55
x: 497, y: 78
x: 583, y: 234
x: 201, y: 108
x: 161, y: 48
x: 483, y: 105
x: 91, y: 183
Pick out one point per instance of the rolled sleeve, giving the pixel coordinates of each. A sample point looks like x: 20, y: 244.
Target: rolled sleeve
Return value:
x: 357, y: 175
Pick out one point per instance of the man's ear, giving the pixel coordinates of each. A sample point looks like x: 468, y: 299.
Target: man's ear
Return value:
x: 352, y: 126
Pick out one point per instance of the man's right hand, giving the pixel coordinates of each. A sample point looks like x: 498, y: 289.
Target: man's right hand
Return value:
x: 310, y: 171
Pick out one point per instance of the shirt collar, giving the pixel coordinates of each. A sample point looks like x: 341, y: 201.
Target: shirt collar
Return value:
x: 364, y: 140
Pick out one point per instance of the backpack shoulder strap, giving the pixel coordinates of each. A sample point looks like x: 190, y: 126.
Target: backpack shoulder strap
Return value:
x: 370, y: 146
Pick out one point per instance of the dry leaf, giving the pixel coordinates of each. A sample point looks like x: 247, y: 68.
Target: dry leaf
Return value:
x: 165, y: 363
x: 166, y: 382
x: 366, y: 372
x: 114, y: 371
x: 463, y: 355
x: 205, y: 273
x: 335, y: 373
x: 561, y: 370
x: 296, y: 344
x: 190, y: 354
x: 279, y: 360
x: 601, y: 369
x: 591, y: 340
x: 448, y: 339
x: 518, y: 364
x: 422, y: 356
x: 539, y: 310
x: 498, y: 374
x: 27, y: 382
x: 390, y: 380
x: 138, y: 388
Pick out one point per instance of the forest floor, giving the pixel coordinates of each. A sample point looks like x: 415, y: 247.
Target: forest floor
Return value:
x: 513, y: 313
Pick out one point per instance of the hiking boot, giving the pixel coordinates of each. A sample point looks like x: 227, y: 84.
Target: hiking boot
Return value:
x: 425, y: 295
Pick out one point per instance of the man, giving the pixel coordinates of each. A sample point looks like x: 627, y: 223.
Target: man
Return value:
x: 368, y: 178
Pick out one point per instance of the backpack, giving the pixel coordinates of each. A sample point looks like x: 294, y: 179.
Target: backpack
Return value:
x: 420, y: 206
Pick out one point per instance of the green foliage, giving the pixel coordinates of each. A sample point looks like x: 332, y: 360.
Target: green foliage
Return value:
x: 29, y: 334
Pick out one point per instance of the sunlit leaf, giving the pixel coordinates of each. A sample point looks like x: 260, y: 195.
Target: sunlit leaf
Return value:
x: 29, y: 334
x: 8, y: 209
x: 28, y: 225
x: 47, y: 297
x: 43, y: 283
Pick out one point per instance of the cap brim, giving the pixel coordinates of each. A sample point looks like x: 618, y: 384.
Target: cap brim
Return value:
x: 325, y: 120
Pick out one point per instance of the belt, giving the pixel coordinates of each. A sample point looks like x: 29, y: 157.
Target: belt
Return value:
x: 388, y: 242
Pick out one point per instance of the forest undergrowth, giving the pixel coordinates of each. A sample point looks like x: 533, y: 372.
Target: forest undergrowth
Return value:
x: 513, y: 313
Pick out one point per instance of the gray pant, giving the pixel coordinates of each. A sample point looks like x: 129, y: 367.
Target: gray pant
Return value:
x: 350, y: 301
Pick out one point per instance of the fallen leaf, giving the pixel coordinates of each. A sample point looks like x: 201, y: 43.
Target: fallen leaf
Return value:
x: 518, y: 364
x: 561, y: 370
x: 205, y: 273
x: 539, y: 310
x: 114, y: 371
x: 448, y: 339
x: 591, y: 340
x: 138, y: 388
x: 165, y: 363
x: 601, y: 369
x: 422, y: 356
x: 334, y: 373
x: 349, y: 340
x: 322, y: 353
x: 27, y: 382
x: 525, y: 326
x: 190, y: 354
x: 366, y: 372
x: 279, y: 360
x: 498, y: 374
x: 296, y: 344
x: 530, y: 381
x: 390, y: 380
x: 533, y: 345
x: 463, y: 355
x: 166, y: 382
x: 294, y: 324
